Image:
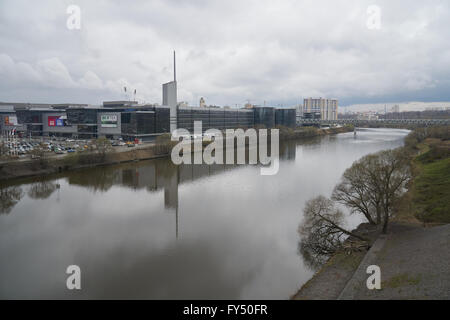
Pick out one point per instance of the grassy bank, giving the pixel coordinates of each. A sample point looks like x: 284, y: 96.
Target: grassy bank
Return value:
x: 428, y: 196
x: 427, y: 200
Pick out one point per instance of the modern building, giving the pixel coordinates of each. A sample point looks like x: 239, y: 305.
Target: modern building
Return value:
x: 264, y: 116
x: 299, y: 110
x: 217, y: 118
x: 328, y: 108
x: 8, y: 119
x: 202, y: 103
x: 130, y: 120
x: 285, y: 117
x: 54, y: 123
x: 170, y: 97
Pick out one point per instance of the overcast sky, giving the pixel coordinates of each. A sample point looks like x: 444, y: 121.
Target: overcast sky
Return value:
x: 227, y: 51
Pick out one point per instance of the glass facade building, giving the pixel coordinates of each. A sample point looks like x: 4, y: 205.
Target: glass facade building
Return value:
x: 265, y: 116
x: 285, y: 117
x: 140, y: 121
x: 217, y: 118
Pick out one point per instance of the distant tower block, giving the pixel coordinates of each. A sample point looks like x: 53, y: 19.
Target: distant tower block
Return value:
x: 202, y: 103
x: 170, y: 97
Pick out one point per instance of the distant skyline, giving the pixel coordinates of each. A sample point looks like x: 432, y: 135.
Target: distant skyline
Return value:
x: 403, y: 106
x: 227, y: 51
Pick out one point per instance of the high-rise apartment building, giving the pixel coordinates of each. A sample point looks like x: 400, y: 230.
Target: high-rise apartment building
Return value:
x: 327, y: 108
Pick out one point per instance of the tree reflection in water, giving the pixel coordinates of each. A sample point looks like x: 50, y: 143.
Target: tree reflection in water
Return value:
x: 42, y: 189
x: 9, y: 197
x: 312, y: 258
x: 98, y: 179
x: 321, y: 232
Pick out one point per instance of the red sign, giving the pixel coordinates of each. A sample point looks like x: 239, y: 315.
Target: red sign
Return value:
x: 55, y: 121
x: 52, y: 121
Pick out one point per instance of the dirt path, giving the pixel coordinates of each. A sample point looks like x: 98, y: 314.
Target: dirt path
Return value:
x: 414, y: 263
x: 329, y: 282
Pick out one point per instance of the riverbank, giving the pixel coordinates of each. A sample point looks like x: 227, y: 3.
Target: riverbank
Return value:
x: 56, y: 164
x: 332, y: 277
x: 427, y: 200
x: 413, y: 254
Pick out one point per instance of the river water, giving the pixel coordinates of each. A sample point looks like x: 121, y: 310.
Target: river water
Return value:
x: 154, y: 230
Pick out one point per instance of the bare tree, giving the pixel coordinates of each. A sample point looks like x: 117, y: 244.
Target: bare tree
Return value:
x: 373, y: 184
x: 322, y: 231
x: 9, y: 197
x: 357, y: 189
x: 164, y: 144
x: 393, y: 172
x: 100, y: 147
x: 40, y: 153
x: 4, y: 150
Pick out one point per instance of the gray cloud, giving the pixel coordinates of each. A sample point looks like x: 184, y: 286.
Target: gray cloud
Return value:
x: 228, y: 51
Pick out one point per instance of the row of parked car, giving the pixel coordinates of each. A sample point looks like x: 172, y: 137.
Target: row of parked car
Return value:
x: 20, y: 147
x: 60, y: 148
x: 24, y: 146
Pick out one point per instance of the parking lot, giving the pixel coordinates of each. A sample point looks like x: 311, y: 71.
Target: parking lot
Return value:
x: 29, y: 147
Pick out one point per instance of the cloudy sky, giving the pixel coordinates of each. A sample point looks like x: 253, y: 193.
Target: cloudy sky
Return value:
x: 227, y: 51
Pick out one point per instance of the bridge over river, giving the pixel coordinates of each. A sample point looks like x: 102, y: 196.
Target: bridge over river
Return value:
x: 424, y: 122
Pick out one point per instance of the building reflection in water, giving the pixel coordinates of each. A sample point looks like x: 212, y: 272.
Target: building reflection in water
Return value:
x: 152, y: 175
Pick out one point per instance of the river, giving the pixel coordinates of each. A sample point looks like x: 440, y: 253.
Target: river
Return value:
x: 154, y: 230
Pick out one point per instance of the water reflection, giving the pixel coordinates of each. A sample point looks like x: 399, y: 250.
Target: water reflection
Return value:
x: 42, y: 189
x: 312, y: 259
x: 9, y: 197
x: 155, y: 230
x: 158, y: 174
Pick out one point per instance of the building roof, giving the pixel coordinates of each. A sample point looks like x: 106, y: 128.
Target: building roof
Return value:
x: 119, y: 103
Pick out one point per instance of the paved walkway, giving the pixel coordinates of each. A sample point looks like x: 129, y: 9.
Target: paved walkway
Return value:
x: 414, y: 262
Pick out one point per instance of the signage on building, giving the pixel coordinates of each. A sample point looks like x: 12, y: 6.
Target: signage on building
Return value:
x: 55, y: 121
x: 11, y: 121
x: 109, y: 120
